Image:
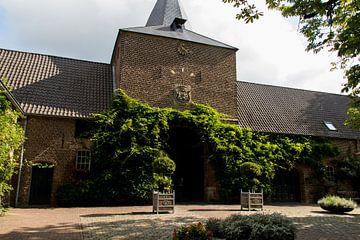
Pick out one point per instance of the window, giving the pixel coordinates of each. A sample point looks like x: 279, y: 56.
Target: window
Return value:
x: 330, y: 126
x: 83, y: 128
x: 83, y: 160
x: 330, y: 173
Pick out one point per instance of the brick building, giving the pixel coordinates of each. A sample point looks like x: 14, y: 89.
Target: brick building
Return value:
x: 166, y: 65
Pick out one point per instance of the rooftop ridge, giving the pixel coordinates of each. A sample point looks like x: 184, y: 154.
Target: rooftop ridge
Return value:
x: 290, y: 88
x: 55, y: 56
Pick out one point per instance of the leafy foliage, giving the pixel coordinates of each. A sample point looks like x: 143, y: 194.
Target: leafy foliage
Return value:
x: 195, y: 231
x: 131, y: 145
x: 214, y: 226
x: 333, y: 25
x: 257, y: 227
x: 81, y: 194
x: 349, y: 169
x: 11, y: 138
x: 336, y: 204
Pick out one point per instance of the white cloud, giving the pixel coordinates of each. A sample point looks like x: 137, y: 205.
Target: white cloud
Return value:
x: 271, y: 51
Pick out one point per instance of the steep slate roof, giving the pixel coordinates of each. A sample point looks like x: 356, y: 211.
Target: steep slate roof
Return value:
x: 292, y: 111
x: 163, y: 15
x: 184, y: 34
x: 57, y: 86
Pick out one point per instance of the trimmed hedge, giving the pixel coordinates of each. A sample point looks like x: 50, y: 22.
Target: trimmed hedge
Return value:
x: 253, y: 227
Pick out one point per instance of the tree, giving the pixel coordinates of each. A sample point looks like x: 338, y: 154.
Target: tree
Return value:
x: 11, y: 138
x: 333, y: 25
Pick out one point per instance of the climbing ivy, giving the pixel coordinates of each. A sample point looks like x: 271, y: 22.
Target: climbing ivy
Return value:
x: 131, y: 136
x: 11, y: 138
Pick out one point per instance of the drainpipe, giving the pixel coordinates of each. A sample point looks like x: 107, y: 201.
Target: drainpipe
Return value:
x: 21, y: 165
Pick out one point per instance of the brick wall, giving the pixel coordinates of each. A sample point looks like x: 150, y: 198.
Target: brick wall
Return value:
x: 50, y: 140
x: 310, y: 185
x: 149, y: 67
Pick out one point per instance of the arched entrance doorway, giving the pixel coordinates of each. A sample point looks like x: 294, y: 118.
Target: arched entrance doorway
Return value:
x: 41, y: 185
x: 286, y: 186
x: 187, y: 150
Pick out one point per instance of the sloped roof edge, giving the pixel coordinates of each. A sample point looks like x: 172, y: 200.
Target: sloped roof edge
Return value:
x: 192, y: 36
x: 11, y: 98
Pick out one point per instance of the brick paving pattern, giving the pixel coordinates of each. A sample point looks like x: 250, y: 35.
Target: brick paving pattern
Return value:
x: 140, y: 223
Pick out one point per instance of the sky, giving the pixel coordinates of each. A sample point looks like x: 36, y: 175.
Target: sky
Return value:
x: 271, y: 50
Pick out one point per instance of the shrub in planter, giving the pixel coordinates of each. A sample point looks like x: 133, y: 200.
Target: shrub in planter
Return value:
x: 258, y: 227
x: 336, y: 204
x: 196, y: 231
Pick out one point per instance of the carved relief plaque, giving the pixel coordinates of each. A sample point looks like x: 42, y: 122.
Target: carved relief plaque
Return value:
x: 183, y: 93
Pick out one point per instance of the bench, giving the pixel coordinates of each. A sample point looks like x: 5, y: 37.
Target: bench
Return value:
x: 354, y: 195
x: 251, y: 200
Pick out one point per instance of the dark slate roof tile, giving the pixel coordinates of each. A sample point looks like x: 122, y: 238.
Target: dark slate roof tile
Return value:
x: 183, y: 34
x: 56, y: 86
x: 274, y: 109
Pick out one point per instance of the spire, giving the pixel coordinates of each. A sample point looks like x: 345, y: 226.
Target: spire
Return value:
x: 165, y: 13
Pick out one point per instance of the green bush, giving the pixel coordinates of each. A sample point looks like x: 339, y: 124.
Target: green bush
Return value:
x: 214, y: 226
x: 337, y: 204
x: 67, y: 195
x: 258, y: 227
x: 196, y: 231
x: 81, y: 194
x: 163, y: 167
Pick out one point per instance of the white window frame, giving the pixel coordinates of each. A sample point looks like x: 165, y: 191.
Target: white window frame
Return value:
x: 330, y: 173
x: 83, y: 160
x: 330, y: 126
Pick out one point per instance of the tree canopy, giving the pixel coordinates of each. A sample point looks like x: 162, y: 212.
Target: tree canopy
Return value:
x: 11, y: 138
x: 333, y: 25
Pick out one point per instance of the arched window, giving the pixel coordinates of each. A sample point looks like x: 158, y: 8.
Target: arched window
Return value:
x: 83, y: 160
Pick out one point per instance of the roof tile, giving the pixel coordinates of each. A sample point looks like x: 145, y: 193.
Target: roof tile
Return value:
x: 274, y: 109
x: 57, y: 86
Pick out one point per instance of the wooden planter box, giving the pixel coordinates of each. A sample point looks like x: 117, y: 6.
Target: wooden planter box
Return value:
x: 163, y: 201
x: 251, y: 200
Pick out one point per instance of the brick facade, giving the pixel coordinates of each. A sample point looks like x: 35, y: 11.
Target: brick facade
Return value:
x: 149, y: 67
x: 311, y: 188
x: 50, y: 140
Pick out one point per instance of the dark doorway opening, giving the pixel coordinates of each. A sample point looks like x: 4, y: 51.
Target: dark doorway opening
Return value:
x: 286, y: 187
x: 41, y: 183
x: 187, y: 150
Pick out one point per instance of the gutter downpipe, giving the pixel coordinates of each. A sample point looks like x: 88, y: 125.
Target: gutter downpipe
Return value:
x: 21, y: 165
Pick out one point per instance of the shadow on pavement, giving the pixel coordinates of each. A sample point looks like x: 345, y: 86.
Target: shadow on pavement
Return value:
x: 51, y: 232
x: 154, y: 228
x: 213, y: 210
x: 328, y: 227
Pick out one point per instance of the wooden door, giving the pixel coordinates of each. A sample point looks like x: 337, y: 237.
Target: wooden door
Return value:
x: 41, y: 184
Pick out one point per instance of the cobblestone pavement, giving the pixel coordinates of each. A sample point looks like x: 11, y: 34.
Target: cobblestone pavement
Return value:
x: 140, y: 223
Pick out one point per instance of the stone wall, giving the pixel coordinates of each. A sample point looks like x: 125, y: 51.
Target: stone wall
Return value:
x: 155, y: 69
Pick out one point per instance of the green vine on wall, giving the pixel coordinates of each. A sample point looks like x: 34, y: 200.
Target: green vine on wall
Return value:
x: 131, y: 136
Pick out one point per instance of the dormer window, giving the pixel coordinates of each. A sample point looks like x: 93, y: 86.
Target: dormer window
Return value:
x: 330, y: 126
x: 177, y: 24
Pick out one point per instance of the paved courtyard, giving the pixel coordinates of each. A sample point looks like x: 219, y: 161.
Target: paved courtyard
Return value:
x: 140, y: 223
